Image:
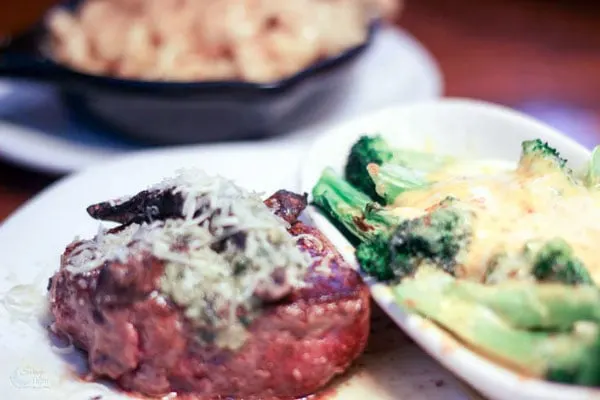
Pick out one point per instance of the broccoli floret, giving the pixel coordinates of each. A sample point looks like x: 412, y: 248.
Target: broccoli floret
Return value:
x: 367, y: 150
x: 350, y: 208
x: 555, y: 262
x: 374, y: 257
x: 436, y: 238
x: 550, y: 261
x: 496, y: 320
x: 376, y: 151
x: 538, y: 157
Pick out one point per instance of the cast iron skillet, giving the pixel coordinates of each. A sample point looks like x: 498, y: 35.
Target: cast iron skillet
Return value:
x: 180, y: 112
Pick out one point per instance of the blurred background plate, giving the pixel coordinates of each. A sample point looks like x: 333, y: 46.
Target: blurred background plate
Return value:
x: 39, y: 132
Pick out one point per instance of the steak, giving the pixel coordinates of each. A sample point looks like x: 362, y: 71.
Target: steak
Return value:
x: 303, y: 337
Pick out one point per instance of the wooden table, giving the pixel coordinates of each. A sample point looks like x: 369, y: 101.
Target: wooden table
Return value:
x: 541, y: 57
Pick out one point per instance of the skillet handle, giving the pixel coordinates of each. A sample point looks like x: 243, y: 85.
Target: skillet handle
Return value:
x: 20, y: 57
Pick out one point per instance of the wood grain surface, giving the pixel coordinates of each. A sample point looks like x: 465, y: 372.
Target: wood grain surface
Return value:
x: 541, y: 57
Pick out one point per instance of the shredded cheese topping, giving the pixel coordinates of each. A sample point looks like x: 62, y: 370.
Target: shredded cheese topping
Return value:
x: 228, y: 246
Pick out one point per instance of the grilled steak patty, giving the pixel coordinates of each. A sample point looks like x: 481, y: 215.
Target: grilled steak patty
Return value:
x: 302, y: 338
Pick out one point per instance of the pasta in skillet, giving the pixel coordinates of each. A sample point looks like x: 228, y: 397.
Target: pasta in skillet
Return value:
x: 194, y: 40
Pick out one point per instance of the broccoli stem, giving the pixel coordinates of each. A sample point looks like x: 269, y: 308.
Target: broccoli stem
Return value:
x: 397, y: 176
x: 377, y: 151
x: 341, y: 201
x: 391, y: 180
x: 351, y: 208
x: 523, y: 304
x: 527, y: 305
x: 538, y: 353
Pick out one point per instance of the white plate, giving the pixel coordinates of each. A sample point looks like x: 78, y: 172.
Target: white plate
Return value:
x: 32, y: 240
x: 458, y: 127
x: 37, y: 130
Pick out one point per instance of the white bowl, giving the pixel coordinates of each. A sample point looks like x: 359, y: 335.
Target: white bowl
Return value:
x: 459, y: 127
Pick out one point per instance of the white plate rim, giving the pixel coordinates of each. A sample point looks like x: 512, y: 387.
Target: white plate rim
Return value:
x: 485, y: 376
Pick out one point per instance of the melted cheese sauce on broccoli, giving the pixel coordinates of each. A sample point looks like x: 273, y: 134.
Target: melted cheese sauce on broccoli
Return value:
x: 513, y: 207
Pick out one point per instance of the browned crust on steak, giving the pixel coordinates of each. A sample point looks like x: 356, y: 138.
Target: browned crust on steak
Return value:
x: 287, y: 205
x: 147, y: 345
